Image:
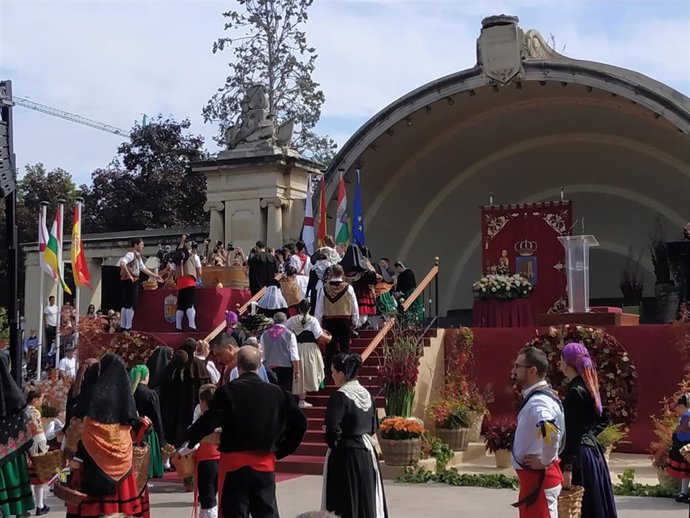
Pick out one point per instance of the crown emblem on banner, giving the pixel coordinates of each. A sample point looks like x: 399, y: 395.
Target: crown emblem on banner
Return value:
x: 525, y: 248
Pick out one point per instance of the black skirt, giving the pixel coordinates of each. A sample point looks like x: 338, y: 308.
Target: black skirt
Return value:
x: 351, y: 483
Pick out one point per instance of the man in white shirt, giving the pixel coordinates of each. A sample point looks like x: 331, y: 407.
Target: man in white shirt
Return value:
x: 50, y: 321
x: 538, y: 438
x: 68, y: 365
x: 131, y: 265
x: 338, y: 311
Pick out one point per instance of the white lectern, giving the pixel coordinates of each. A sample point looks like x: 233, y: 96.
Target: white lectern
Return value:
x: 577, y: 265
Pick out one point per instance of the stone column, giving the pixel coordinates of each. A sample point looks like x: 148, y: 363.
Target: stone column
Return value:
x: 274, y: 220
x: 217, y: 228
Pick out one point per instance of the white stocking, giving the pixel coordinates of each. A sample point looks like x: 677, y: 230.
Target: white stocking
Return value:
x: 191, y: 317
x: 179, y: 315
x: 130, y: 318
x: 123, y: 318
x: 684, y: 485
x: 37, y: 491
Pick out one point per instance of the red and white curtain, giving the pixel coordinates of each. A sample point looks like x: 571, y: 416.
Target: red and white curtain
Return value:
x: 524, y: 239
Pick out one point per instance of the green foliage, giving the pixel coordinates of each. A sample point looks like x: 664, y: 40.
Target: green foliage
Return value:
x: 270, y: 47
x: 419, y: 475
x: 436, y: 448
x: 4, y: 324
x: 612, y: 435
x: 449, y: 413
x: 628, y: 487
x: 150, y: 183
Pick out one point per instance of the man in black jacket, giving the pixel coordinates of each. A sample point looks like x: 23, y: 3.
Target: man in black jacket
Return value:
x: 260, y: 423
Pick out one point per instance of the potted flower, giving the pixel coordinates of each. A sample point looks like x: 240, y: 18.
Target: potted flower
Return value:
x: 498, y: 440
x: 400, y: 370
x: 452, y: 422
x: 610, y: 436
x: 400, y: 439
x: 664, y: 425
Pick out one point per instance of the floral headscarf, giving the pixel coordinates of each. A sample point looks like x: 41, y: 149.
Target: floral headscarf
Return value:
x: 577, y: 356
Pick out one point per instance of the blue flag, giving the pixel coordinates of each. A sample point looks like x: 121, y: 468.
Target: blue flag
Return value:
x: 358, y: 217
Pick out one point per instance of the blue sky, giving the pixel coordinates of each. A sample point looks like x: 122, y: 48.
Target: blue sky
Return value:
x: 114, y: 60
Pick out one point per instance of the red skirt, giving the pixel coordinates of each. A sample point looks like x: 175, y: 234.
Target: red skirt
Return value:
x: 367, y: 304
x: 126, y: 500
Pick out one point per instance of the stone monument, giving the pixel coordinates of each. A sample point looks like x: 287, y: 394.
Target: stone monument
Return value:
x: 256, y: 187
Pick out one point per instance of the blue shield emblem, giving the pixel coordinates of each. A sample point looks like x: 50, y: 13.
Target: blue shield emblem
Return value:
x: 527, y: 267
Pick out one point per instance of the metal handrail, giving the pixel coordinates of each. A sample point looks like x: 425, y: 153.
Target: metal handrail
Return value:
x: 381, y: 335
x: 241, y: 310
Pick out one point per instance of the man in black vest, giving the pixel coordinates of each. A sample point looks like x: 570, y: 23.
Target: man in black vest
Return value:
x: 260, y: 424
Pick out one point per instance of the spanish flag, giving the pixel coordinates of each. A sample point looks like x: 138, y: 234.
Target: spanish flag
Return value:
x: 53, y: 251
x: 80, y: 268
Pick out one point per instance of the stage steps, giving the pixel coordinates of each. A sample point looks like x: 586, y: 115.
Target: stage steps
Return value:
x: 310, y: 457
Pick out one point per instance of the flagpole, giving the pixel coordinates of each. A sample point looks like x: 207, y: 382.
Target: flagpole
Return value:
x: 78, y: 204
x: 41, y: 328
x: 61, y: 266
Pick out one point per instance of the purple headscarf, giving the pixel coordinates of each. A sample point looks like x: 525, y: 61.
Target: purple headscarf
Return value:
x: 230, y: 320
x: 577, y: 356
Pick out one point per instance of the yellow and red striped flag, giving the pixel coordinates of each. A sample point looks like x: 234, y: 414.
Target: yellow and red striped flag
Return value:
x: 80, y: 268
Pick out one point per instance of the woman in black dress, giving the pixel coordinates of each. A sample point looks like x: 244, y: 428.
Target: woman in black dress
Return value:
x: 582, y: 460
x: 353, y: 487
x: 148, y: 405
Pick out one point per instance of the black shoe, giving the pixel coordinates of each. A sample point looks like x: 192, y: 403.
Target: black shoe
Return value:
x: 43, y: 510
x: 178, y: 330
x: 355, y: 334
x: 682, y: 498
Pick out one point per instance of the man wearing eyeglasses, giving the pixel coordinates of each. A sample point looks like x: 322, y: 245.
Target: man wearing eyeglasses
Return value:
x: 539, y: 437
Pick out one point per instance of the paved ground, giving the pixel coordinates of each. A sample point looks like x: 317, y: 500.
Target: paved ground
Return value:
x: 404, y: 501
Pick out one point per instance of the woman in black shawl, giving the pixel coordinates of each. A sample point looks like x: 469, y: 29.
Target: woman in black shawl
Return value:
x: 360, y: 273
x: 157, y: 363
x: 102, y: 466
x: 179, y: 392
x: 15, y: 488
x: 404, y: 288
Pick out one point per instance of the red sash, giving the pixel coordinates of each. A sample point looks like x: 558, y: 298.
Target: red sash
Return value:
x: 206, y: 451
x: 234, y: 460
x: 534, y: 482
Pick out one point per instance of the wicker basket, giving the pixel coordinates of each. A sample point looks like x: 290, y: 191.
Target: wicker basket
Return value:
x: 570, y: 502
x: 67, y: 494
x: 458, y: 440
x: 477, y: 418
x: 48, y: 464
x: 504, y: 459
x: 166, y: 452
x: 140, y: 465
x: 183, y: 465
x: 401, y: 453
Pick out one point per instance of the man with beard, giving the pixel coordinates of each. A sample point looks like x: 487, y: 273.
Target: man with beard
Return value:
x: 535, y: 456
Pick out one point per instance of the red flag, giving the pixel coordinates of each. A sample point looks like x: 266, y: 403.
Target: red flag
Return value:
x: 321, y: 236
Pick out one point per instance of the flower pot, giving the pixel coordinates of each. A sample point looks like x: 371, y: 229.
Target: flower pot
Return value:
x: 666, y: 480
x: 503, y: 459
x: 401, y: 453
x: 458, y: 440
x: 476, y: 426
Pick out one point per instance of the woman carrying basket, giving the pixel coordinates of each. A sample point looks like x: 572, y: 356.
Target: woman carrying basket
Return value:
x: 147, y: 404
x: 102, y: 468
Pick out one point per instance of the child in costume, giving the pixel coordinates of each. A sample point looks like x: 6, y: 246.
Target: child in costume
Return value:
x: 35, y: 427
x: 206, y: 459
x: 678, y: 467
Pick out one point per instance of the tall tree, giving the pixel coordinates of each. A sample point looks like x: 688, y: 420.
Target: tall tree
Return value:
x: 35, y: 185
x: 269, y: 47
x: 150, y: 183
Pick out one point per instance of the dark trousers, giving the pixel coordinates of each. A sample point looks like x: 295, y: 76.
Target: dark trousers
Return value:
x: 51, y: 331
x: 248, y: 492
x: 341, y: 330
x: 284, y: 375
x: 207, y: 483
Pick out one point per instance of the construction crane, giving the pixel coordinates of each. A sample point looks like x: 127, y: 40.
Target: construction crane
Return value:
x: 26, y: 103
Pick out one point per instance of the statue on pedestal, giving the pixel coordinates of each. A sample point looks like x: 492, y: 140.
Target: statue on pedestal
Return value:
x: 256, y: 129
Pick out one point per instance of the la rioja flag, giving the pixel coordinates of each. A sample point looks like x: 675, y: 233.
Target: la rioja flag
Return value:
x: 43, y: 238
x: 53, y: 252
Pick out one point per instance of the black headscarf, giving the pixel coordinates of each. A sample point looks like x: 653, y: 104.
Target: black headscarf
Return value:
x: 157, y: 364
x: 13, y: 399
x: 110, y: 399
x: 354, y: 261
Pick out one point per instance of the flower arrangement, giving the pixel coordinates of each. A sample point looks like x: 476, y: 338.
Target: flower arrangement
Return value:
x: 610, y: 436
x: 91, y: 336
x: 449, y: 414
x: 499, y: 436
x: 134, y: 347
x: 460, y: 378
x: 505, y: 287
x: 54, y: 391
x: 665, y: 423
x: 400, y: 428
x: 617, y: 374
x: 402, y: 350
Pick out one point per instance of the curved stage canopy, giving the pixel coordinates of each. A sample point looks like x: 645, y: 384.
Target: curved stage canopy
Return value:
x: 522, y: 123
